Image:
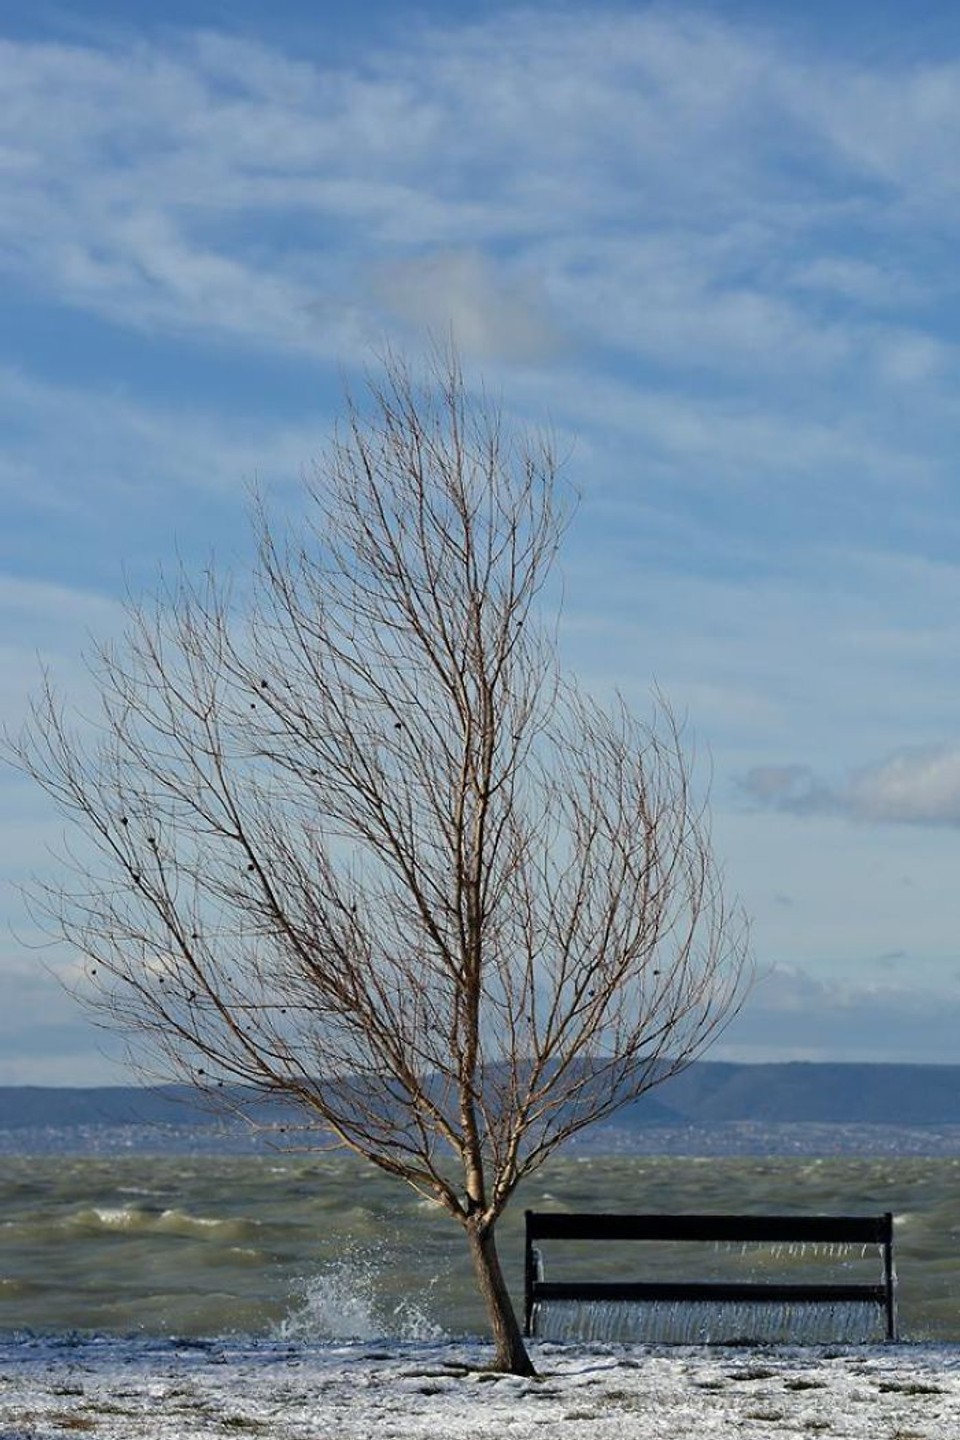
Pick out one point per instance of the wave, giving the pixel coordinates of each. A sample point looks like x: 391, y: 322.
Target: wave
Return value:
x: 140, y: 1220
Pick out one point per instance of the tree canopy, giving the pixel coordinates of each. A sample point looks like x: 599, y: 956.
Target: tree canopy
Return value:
x: 359, y: 842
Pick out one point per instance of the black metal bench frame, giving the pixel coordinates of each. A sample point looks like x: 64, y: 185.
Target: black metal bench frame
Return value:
x: 769, y: 1229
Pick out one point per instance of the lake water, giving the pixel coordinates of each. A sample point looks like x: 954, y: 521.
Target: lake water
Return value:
x: 320, y: 1247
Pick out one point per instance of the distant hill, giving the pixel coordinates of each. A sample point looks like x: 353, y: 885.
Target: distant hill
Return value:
x: 38, y: 1106
x: 708, y: 1093
x: 802, y: 1092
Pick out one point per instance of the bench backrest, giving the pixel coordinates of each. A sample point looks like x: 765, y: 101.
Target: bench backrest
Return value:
x: 762, y: 1229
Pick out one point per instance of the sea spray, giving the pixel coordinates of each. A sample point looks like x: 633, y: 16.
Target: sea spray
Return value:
x: 708, y: 1322
x: 348, y: 1300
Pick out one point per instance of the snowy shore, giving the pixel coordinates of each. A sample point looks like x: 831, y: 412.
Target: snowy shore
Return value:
x: 118, y: 1390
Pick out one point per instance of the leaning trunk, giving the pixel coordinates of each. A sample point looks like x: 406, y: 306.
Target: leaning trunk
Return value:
x: 511, y: 1352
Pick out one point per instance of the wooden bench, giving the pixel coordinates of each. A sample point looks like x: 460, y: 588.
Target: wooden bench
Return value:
x: 778, y: 1230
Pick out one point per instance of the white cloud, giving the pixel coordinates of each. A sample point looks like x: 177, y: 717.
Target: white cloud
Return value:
x: 896, y: 125
x: 799, y: 658
x: 910, y: 358
x: 861, y: 281
x: 631, y: 161
x: 45, y: 1036
x: 920, y: 786
x: 490, y: 315
x: 916, y: 786
x: 795, y: 1015
x: 70, y: 446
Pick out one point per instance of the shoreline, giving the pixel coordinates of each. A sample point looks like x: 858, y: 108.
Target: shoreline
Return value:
x: 196, y: 1390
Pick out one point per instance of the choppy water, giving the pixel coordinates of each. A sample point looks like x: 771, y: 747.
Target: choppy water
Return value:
x: 322, y: 1246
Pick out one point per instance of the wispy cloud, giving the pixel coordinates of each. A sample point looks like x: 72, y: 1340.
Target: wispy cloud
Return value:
x: 633, y: 161
x: 718, y: 259
x: 72, y: 444
x: 796, y: 1015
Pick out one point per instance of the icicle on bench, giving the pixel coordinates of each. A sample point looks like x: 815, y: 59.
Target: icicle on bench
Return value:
x: 720, y: 1310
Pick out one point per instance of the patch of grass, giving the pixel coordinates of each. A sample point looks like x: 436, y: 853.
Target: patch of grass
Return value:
x: 27, y: 1422
x: 800, y: 1384
x: 907, y: 1387
x: 620, y: 1395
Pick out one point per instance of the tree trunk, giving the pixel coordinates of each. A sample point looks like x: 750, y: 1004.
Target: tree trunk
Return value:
x: 511, y: 1352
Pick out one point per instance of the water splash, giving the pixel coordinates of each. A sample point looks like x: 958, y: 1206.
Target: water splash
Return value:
x: 764, y: 1252
x: 719, y: 1321
x: 709, y: 1322
x: 348, y: 1300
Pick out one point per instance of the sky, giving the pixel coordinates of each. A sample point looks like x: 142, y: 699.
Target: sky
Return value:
x: 712, y: 248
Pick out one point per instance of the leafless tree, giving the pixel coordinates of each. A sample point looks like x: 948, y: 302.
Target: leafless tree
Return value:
x: 358, y: 843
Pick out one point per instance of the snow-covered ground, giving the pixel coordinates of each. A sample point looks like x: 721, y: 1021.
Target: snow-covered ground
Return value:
x: 119, y: 1390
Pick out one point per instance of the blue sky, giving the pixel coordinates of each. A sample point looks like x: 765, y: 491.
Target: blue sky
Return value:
x: 714, y: 248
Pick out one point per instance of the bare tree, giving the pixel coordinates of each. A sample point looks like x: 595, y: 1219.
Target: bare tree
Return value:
x: 358, y: 843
